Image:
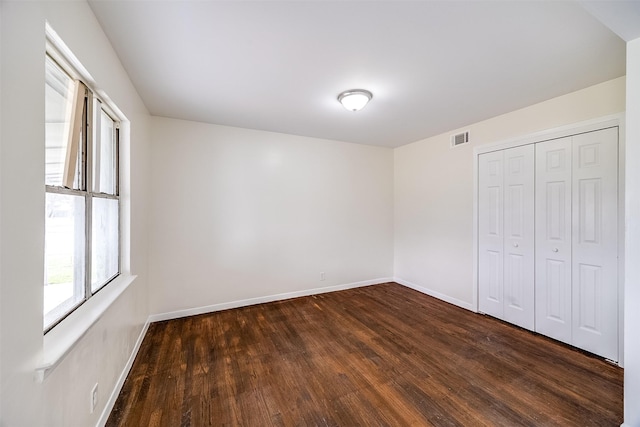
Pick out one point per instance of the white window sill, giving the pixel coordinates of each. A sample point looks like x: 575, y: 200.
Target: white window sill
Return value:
x: 59, y: 341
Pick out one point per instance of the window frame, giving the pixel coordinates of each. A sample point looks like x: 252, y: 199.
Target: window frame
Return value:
x: 93, y: 194
x: 84, y: 129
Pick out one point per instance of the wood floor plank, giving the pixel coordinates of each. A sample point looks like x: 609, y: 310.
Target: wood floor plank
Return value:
x: 382, y: 355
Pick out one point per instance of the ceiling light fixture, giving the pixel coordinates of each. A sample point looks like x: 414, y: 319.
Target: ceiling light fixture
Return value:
x: 355, y: 99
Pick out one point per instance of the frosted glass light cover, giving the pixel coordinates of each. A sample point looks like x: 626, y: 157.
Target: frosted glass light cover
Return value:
x: 354, y: 100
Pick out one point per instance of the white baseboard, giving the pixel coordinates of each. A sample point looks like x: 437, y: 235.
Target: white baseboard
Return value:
x: 259, y: 300
x: 435, y: 294
x: 102, y: 421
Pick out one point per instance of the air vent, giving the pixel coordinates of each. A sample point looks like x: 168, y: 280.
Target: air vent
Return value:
x: 459, y: 139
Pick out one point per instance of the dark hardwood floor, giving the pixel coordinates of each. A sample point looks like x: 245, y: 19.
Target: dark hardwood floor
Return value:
x: 381, y: 355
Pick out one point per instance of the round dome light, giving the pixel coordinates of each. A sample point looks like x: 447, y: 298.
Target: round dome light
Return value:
x: 355, y: 99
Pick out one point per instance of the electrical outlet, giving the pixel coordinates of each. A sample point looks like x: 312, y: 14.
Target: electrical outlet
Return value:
x: 322, y: 276
x: 94, y: 398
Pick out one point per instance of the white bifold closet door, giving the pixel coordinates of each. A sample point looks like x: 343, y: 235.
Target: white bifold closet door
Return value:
x: 506, y: 235
x: 576, y: 232
x: 553, y: 239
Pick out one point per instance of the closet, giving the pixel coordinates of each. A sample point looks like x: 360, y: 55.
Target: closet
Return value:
x: 506, y: 227
x: 548, y: 238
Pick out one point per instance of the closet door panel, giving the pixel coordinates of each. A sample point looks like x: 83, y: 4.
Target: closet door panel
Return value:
x: 519, y: 236
x: 553, y: 239
x: 595, y: 242
x: 490, y: 233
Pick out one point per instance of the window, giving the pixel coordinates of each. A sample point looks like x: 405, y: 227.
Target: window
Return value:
x: 82, y: 221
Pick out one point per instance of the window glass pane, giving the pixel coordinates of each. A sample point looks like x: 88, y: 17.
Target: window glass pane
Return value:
x: 104, y: 235
x: 104, y: 156
x: 64, y: 255
x: 58, y: 102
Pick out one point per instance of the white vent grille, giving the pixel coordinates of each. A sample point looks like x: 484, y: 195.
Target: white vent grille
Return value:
x: 459, y: 139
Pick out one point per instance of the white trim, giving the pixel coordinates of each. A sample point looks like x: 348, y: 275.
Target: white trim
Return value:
x: 548, y: 134
x: 60, y: 52
x: 59, y: 341
x: 259, y: 300
x: 614, y: 120
x: 104, y: 416
x: 475, y: 228
x: 622, y: 154
x: 435, y: 294
x: 65, y: 58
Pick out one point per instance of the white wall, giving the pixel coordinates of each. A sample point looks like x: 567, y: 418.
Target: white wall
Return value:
x: 433, y: 189
x: 100, y: 356
x: 632, y: 265
x: 240, y: 214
